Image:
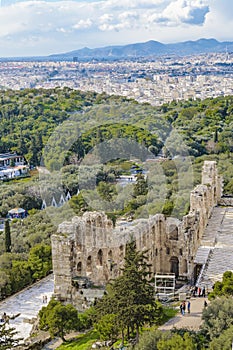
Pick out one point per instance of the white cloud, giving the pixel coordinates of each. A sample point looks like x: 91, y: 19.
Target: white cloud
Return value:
x: 106, y: 18
x: 134, y: 4
x: 83, y: 24
x: 67, y: 25
x: 181, y: 11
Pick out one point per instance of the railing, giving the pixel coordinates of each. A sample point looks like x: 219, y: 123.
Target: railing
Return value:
x: 204, y: 266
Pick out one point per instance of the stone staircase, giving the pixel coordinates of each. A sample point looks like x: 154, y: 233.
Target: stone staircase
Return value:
x: 220, y: 261
x: 202, y: 255
x: 225, y: 233
x: 216, y: 251
x: 214, y: 224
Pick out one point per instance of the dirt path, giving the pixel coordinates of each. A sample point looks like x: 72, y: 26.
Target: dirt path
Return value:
x: 192, y: 320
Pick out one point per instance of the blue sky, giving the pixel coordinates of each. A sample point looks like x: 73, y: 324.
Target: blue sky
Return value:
x: 29, y: 28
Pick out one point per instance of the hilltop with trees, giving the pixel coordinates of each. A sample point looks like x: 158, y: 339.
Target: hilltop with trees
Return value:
x: 69, y: 127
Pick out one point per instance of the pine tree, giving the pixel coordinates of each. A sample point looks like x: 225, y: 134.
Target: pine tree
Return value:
x: 141, y: 186
x: 34, y: 152
x: 7, y: 232
x: 131, y: 296
x: 7, y: 337
x: 216, y: 135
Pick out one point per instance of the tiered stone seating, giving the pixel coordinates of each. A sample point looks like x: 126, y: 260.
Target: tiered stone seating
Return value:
x: 202, y: 255
x: 219, y: 232
x: 221, y: 261
x: 214, y: 224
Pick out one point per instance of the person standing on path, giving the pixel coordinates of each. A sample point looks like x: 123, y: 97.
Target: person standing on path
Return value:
x: 188, y: 307
x: 183, y: 307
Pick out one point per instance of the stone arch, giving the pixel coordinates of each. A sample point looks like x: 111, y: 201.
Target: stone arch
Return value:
x: 173, y: 232
x: 100, y: 257
x: 121, y: 253
x: 79, y: 268
x: 110, y: 254
x: 110, y: 260
x: 174, y: 261
x: 89, y: 264
x: 185, y: 266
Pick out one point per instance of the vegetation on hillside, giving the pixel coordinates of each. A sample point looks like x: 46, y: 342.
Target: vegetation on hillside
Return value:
x: 88, y: 140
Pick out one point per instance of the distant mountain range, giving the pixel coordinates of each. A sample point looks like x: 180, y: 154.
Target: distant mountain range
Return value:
x: 149, y: 48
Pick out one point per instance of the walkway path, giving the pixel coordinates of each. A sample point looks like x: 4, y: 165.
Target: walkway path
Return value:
x: 28, y: 303
x: 191, y: 321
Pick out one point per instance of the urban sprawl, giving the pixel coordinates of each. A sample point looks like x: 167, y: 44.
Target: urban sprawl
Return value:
x: 153, y: 80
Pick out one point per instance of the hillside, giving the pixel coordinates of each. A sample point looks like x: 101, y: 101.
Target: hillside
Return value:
x: 149, y: 48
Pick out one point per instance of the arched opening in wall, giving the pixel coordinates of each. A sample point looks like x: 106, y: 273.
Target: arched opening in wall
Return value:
x: 185, y: 266
x: 121, y: 253
x: 167, y: 250
x: 89, y: 264
x: 173, y: 232
x: 110, y: 260
x: 79, y: 268
x: 174, y: 266
x: 100, y: 257
x: 110, y: 254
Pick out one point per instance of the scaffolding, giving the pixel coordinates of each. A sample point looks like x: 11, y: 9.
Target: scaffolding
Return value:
x: 165, y: 286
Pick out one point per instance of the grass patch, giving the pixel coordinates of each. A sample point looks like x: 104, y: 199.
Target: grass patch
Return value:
x: 82, y: 342
x: 169, y: 312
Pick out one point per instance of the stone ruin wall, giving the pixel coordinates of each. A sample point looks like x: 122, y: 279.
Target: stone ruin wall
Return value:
x: 89, y: 246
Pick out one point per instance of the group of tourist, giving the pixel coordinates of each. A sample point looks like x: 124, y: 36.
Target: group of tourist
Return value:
x: 183, y: 307
x: 45, y: 299
x: 198, y: 291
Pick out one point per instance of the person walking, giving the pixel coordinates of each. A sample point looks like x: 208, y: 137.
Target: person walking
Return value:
x: 183, y: 307
x: 188, y: 307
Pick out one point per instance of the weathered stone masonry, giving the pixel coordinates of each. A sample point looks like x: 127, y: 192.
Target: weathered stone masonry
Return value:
x: 91, y: 247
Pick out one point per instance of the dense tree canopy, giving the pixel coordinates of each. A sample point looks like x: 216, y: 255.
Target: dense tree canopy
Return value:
x: 218, y: 317
x: 59, y: 319
x: 224, y: 287
x: 76, y: 134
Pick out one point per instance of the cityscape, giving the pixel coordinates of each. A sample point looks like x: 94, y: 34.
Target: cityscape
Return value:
x: 116, y: 174
x: 156, y: 81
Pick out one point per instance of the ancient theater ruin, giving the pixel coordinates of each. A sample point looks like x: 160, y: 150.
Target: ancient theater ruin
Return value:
x: 89, y: 250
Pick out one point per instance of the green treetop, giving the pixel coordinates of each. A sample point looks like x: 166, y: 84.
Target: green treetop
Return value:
x: 131, y: 296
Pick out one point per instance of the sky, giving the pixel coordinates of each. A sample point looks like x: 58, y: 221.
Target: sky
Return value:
x: 35, y: 27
